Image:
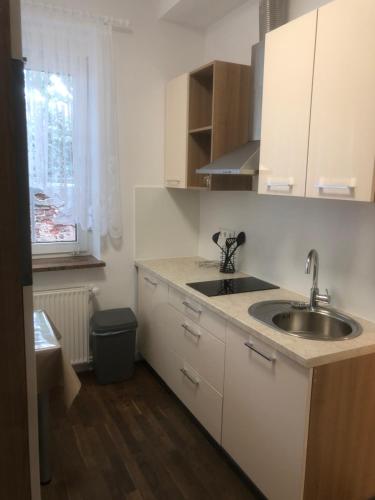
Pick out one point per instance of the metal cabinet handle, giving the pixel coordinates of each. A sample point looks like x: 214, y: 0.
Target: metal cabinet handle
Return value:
x: 189, y: 330
x: 189, y: 306
x: 189, y: 377
x: 250, y: 345
x: 334, y: 186
x: 150, y: 281
x: 288, y: 183
x: 173, y: 181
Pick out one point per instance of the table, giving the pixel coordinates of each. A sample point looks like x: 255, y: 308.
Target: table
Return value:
x: 53, y: 370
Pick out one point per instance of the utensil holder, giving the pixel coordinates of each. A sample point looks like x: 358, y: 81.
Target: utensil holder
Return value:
x: 228, y: 257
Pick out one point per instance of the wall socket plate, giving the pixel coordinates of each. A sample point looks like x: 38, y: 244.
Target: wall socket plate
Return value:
x: 226, y: 233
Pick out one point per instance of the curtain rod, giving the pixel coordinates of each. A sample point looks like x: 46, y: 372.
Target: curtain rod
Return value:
x: 120, y: 25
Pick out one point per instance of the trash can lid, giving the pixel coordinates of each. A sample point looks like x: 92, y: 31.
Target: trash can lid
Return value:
x: 113, y: 320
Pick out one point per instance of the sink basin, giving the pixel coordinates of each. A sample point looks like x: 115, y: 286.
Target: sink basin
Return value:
x: 318, y: 323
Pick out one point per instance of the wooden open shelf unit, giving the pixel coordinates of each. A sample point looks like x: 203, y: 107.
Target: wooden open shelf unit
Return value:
x: 218, y: 121
x: 207, y: 116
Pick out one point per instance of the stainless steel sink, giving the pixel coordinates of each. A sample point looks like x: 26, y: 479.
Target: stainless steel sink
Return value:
x: 301, y: 320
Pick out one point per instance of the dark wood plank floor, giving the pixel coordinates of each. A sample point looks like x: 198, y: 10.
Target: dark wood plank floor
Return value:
x: 135, y: 441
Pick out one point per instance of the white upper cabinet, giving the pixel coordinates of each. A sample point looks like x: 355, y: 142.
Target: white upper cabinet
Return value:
x: 288, y: 75
x: 176, y: 133
x: 342, y: 137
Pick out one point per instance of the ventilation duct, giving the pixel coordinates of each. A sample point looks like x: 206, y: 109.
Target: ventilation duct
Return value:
x: 272, y: 14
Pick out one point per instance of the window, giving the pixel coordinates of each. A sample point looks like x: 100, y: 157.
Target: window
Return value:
x: 72, y: 130
x: 49, y: 111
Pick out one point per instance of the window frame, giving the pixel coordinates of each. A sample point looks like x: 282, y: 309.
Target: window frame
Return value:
x: 63, y: 247
x: 81, y: 245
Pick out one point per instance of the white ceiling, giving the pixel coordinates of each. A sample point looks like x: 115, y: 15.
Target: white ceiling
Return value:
x: 196, y: 14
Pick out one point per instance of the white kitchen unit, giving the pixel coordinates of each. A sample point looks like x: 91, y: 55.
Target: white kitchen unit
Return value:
x: 175, y: 340
x: 152, y: 309
x: 177, y: 99
x: 176, y: 132
x: 265, y: 414
x: 288, y: 74
x: 295, y: 415
x: 318, y: 121
x: 342, y: 136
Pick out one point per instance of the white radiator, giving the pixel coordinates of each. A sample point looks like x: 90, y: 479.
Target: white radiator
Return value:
x: 69, y: 310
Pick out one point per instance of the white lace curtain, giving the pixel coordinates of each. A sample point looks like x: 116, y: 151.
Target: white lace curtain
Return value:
x: 73, y: 58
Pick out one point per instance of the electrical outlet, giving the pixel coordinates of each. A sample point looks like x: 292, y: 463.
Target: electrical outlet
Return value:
x: 226, y: 233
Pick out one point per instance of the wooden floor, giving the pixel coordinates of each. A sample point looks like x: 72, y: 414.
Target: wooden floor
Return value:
x: 135, y: 441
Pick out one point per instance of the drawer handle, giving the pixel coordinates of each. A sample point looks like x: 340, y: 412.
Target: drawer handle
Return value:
x: 273, y: 183
x: 189, y: 330
x: 335, y: 186
x: 150, y: 281
x: 189, y: 306
x: 186, y: 374
x: 250, y: 345
x: 173, y: 181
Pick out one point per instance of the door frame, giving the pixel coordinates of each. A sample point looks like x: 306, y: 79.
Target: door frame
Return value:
x: 18, y: 416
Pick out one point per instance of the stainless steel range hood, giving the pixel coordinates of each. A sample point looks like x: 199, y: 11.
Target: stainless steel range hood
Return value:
x: 245, y: 159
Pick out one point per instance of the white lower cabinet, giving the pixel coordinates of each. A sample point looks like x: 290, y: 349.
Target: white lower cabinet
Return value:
x: 250, y: 398
x: 265, y: 415
x: 152, y: 310
x: 185, y: 355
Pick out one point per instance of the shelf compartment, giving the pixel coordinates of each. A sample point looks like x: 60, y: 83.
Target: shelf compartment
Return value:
x: 201, y: 130
x: 201, y: 97
x: 199, y: 154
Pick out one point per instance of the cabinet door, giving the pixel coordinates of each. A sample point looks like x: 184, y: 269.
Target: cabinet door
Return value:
x: 152, y: 309
x: 342, y: 142
x: 288, y: 73
x: 176, y: 132
x: 265, y: 415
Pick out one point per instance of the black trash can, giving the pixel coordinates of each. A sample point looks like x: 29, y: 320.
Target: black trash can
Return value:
x: 113, y: 344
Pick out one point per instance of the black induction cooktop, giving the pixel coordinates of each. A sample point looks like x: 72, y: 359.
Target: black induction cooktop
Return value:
x: 231, y: 286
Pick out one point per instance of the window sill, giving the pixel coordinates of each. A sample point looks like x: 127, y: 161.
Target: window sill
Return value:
x: 66, y: 263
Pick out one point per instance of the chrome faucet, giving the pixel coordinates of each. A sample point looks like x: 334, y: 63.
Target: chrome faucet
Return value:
x: 315, y: 295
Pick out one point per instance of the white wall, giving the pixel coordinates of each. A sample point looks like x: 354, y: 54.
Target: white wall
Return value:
x: 145, y: 60
x: 231, y: 38
x: 175, y: 231
x: 281, y: 230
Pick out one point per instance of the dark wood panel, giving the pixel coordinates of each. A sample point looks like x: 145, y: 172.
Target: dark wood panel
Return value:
x: 200, y: 97
x: 199, y: 155
x: 341, y: 444
x: 231, y: 107
x: 134, y: 440
x: 231, y: 182
x: 65, y: 263
x: 14, y: 456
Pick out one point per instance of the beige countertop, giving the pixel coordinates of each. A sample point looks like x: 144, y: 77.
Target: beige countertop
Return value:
x: 234, y: 308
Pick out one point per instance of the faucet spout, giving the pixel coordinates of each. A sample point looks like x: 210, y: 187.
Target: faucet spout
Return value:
x: 315, y: 296
x: 313, y: 258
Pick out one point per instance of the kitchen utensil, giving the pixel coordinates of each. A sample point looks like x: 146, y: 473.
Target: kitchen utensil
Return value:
x: 215, y: 239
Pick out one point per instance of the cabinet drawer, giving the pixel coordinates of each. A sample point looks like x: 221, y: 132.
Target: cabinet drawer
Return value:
x: 197, y: 395
x: 197, y: 313
x: 197, y: 346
